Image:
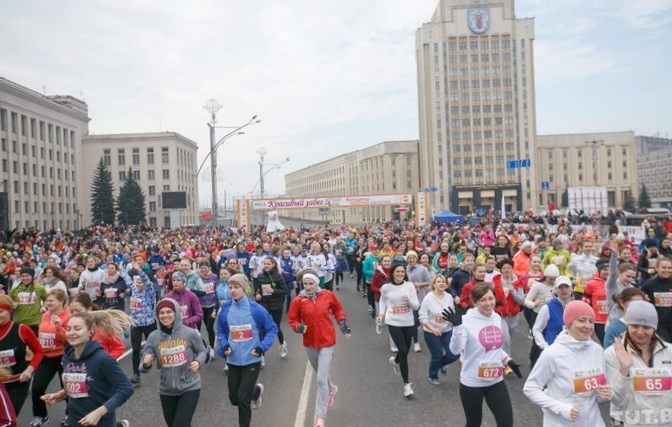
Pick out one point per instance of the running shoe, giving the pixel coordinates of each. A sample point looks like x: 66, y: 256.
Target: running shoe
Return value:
x: 123, y: 423
x: 135, y: 379
x: 444, y: 371
x: 369, y: 309
x: 337, y: 288
x: 408, y: 390
x: 283, y: 350
x: 64, y: 421
x: 332, y: 393
x: 319, y: 422
x: 434, y: 381
x: 351, y: 276
x: 417, y: 348
x: 393, y: 348
x: 256, y: 404
x: 225, y: 371
x: 395, y: 366
x: 39, y: 422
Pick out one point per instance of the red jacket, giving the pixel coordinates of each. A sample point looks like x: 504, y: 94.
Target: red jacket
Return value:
x: 509, y: 307
x: 316, y: 315
x: 111, y: 343
x: 595, y: 294
x: 380, y: 277
x: 467, y: 303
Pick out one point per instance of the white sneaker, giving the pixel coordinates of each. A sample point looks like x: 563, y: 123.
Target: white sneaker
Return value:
x: 395, y: 366
x: 394, y: 349
x: 416, y: 347
x: 379, y: 328
x: 256, y: 404
x: 408, y: 390
x: 283, y: 350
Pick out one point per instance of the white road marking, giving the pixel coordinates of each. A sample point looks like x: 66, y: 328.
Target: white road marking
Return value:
x: 305, y: 396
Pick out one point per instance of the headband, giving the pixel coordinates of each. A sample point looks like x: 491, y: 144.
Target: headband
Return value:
x: 6, y: 307
x: 311, y: 277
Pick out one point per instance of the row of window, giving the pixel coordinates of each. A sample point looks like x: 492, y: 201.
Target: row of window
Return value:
x: 610, y: 177
x: 20, y: 124
x: 486, y: 121
x: 135, y: 156
x: 36, y: 187
x: 47, y: 209
x: 478, y: 42
x: 24, y: 170
x: 33, y: 151
x: 579, y: 154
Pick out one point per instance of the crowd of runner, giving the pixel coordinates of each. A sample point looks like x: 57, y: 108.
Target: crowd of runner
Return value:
x: 596, y: 306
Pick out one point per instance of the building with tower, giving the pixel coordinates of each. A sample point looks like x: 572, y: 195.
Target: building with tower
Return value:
x: 476, y: 98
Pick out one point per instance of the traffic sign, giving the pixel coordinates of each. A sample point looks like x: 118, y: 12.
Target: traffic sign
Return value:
x: 545, y: 185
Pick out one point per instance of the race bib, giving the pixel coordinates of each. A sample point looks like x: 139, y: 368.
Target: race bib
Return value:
x: 209, y: 288
x: 7, y: 358
x: 75, y: 385
x: 602, y: 307
x: 90, y: 285
x: 558, y: 260
x: 490, y: 371
x: 400, y: 308
x: 26, y: 298
x: 47, y: 341
x: 587, y: 382
x: 241, y: 333
x: 173, y: 356
x: 185, y: 312
x: 160, y: 281
x: 110, y: 292
x: 136, y: 303
x: 651, y: 380
x: 662, y: 299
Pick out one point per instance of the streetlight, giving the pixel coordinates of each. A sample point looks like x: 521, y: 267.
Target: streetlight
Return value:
x: 225, y: 187
x: 212, y: 107
x: 262, y: 152
x: 594, y: 144
x: 77, y: 219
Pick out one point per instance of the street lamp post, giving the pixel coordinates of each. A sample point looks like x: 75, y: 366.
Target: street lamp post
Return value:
x: 594, y: 145
x: 77, y: 221
x: 262, y: 152
x: 212, y: 106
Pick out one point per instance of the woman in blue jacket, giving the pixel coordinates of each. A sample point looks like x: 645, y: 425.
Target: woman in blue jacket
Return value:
x: 93, y: 382
x: 142, y: 304
x: 245, y: 331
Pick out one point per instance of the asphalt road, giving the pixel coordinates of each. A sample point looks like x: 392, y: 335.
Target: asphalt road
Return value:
x: 369, y: 392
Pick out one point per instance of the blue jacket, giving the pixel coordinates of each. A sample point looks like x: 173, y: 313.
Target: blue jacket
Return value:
x: 555, y: 323
x: 368, y: 267
x: 95, y: 379
x: 143, y: 316
x: 240, y: 256
x: 242, y: 326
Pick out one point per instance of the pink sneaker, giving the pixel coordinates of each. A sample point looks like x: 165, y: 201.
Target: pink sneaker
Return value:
x: 332, y: 393
x: 319, y: 422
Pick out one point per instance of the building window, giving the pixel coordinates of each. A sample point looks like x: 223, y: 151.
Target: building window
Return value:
x: 166, y: 188
x: 165, y: 157
x: 150, y: 159
x: 136, y: 156
x: 624, y: 152
x: 166, y: 174
x: 50, y: 132
x: 152, y: 190
x: 152, y: 206
x: 122, y: 176
x: 107, y: 158
x: 152, y: 221
x: 3, y: 119
x: 150, y: 174
x: 136, y: 175
x: 14, y: 119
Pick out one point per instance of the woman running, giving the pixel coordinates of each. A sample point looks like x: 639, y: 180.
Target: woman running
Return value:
x: 113, y: 289
x: 569, y: 379
x: 270, y: 293
x: 94, y: 384
x: 179, y: 353
x: 479, y: 335
x: 398, y: 299
x: 108, y: 329
x: 638, y: 370
x: 51, y: 334
x: 618, y: 328
x: 29, y: 300
x: 142, y: 304
x: 15, y: 339
x: 245, y: 331
x: 310, y: 314
x: 208, y: 301
x: 437, y: 330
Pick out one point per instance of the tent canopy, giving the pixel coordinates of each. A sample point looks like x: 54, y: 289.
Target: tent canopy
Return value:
x: 448, y: 217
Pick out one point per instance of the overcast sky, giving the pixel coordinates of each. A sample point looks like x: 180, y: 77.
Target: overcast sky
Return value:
x: 325, y: 78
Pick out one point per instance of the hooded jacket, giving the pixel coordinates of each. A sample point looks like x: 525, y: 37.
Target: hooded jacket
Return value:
x: 635, y: 406
x: 380, y: 278
x: 94, y: 380
x: 272, y: 278
x: 315, y: 312
x: 142, y: 303
x: 596, y: 295
x: 243, y: 326
x: 569, y: 369
x: 190, y: 307
x: 173, y: 353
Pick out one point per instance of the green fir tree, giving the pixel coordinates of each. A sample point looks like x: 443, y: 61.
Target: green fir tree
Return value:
x: 644, y: 199
x: 131, y: 202
x: 102, y: 196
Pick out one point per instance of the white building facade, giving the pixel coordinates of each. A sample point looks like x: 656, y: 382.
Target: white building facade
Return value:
x: 160, y: 162
x: 40, y: 158
x: 476, y: 97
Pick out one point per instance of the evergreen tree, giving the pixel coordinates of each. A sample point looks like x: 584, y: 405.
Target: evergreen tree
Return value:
x: 644, y: 199
x: 629, y: 202
x: 102, y: 196
x: 131, y: 202
x: 565, y: 199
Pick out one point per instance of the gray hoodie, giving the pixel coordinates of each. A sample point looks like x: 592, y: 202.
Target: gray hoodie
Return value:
x: 173, y: 353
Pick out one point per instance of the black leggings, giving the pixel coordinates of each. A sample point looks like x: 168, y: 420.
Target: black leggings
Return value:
x: 599, y: 331
x: 209, y: 323
x: 17, y: 392
x: 136, y: 343
x: 179, y: 410
x: 402, y: 336
x: 339, y: 277
x: 277, y: 318
x: 49, y: 366
x: 243, y: 389
x: 497, y: 398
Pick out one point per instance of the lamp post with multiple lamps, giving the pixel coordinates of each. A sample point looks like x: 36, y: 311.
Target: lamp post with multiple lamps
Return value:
x: 262, y: 153
x: 212, y: 107
x: 594, y: 144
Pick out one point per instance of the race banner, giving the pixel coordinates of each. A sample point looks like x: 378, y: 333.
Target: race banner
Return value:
x: 421, y: 209
x: 331, y: 202
x: 243, y: 214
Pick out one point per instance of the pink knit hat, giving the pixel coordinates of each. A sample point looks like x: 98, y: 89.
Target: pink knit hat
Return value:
x: 574, y: 310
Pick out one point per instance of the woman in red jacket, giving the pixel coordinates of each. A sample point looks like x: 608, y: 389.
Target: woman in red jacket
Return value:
x: 514, y: 296
x: 380, y: 277
x: 479, y: 277
x: 310, y: 314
